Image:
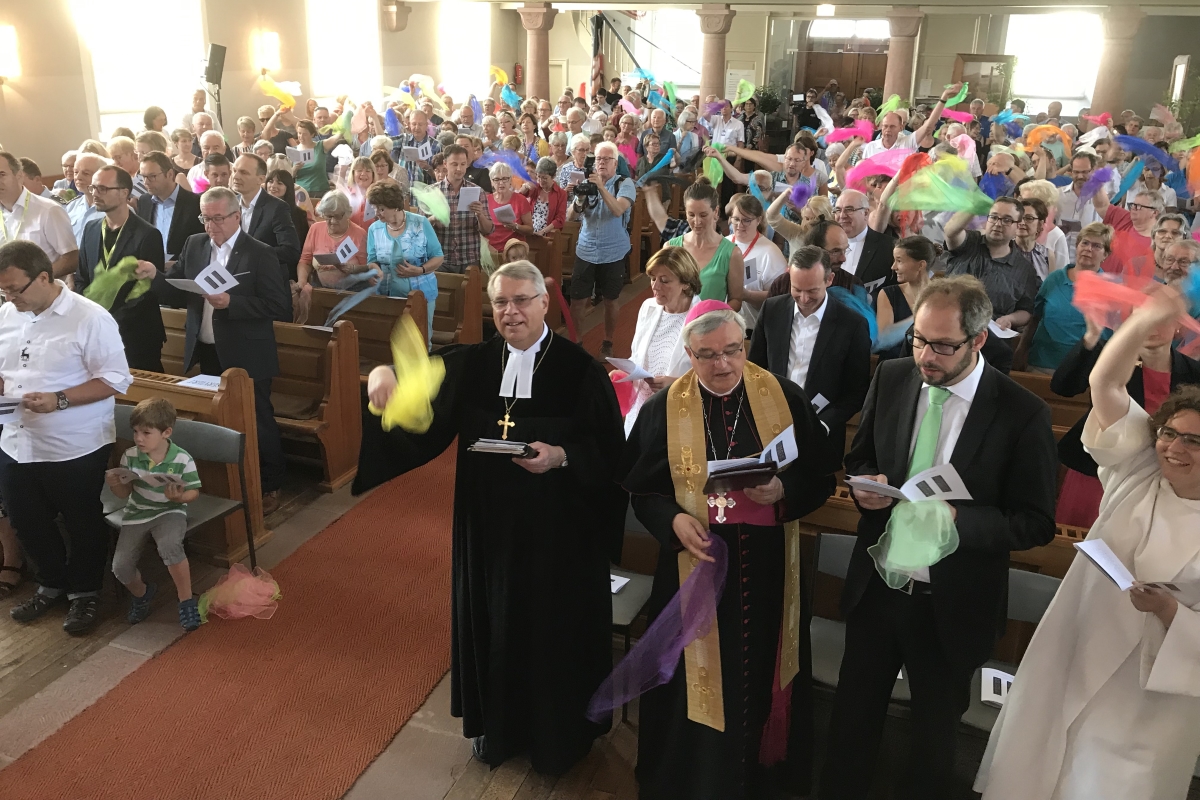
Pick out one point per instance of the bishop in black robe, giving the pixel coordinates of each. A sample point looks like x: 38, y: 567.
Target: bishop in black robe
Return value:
x: 531, y: 605
x: 679, y: 759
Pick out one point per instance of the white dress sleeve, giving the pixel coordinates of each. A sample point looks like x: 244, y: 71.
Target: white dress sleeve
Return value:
x: 1121, y: 450
x: 1171, y: 657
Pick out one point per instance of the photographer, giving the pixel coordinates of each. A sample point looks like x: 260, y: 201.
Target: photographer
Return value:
x: 601, y: 203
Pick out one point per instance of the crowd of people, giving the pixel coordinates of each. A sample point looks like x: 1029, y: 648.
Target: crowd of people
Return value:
x: 787, y: 274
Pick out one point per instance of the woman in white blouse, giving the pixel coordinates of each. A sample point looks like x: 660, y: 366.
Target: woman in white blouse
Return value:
x: 1106, y: 703
x: 763, y: 260
x: 657, y: 345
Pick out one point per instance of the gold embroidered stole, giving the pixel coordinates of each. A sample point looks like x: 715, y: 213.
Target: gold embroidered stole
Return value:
x: 687, y: 454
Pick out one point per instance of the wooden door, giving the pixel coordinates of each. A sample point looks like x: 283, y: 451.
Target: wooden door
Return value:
x: 871, y: 69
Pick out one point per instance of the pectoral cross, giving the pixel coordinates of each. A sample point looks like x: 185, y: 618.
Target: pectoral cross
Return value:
x: 721, y: 502
x: 505, y: 423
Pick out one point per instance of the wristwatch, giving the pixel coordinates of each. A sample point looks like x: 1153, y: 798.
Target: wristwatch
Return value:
x: 63, y: 402
x: 564, y: 461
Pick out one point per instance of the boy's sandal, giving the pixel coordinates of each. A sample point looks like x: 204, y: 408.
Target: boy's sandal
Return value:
x: 7, y: 588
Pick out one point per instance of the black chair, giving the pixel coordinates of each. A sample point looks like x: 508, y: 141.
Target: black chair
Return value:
x: 205, y: 442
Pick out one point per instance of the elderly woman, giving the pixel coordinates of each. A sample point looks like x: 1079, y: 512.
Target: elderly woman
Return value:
x: 657, y: 346
x: 517, y: 221
x: 311, y: 175
x: 722, y: 271
x: 1054, y: 239
x: 1106, y: 702
x: 323, y: 240
x: 1033, y: 221
x: 403, y: 247
x: 508, y: 124
x: 1060, y: 325
x: 764, y: 262
x: 627, y: 138
x: 547, y: 199
x: 571, y: 173
x: 558, y: 148
x: 491, y: 132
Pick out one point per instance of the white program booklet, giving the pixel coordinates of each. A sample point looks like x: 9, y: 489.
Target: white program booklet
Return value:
x: 213, y: 279
x: 994, y: 686
x: 780, y: 451
x: 633, y: 372
x: 409, y: 154
x: 466, y: 196
x: 616, y: 582
x: 9, y: 407
x: 505, y: 214
x: 298, y: 156
x: 1002, y: 333
x: 1104, y: 559
x: 936, y: 483
x: 209, y: 383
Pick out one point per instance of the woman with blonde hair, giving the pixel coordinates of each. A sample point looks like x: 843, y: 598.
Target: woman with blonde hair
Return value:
x: 657, y: 344
x: 763, y: 260
x: 1054, y: 239
x: 817, y: 209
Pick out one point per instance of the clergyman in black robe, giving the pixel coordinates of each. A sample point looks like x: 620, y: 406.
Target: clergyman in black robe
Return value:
x: 678, y: 758
x: 531, y: 605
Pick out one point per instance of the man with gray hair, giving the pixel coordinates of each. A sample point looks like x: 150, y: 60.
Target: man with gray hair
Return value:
x: 705, y: 733
x: 1179, y: 260
x: 1169, y: 228
x: 539, y: 437
x: 235, y: 328
x: 81, y: 210
x: 940, y: 619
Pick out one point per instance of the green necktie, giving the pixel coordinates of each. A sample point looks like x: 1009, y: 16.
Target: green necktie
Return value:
x: 927, y: 438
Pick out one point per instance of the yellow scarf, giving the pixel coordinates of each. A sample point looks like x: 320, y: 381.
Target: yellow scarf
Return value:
x: 687, y: 454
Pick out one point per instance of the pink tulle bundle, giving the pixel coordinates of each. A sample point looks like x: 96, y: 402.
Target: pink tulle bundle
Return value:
x: 241, y: 594
x: 958, y: 116
x: 1134, y: 260
x: 1103, y: 119
x: 886, y: 163
x: 626, y: 391
x: 964, y: 144
x: 863, y: 128
x: 629, y: 107
x: 802, y: 192
x: 1109, y: 302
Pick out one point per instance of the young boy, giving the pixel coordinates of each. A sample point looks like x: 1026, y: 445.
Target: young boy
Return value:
x: 156, y: 511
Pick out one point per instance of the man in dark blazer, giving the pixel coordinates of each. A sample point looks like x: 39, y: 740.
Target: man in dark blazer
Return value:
x: 171, y: 209
x: 943, y: 623
x: 817, y: 342
x: 869, y: 254
x: 264, y: 216
x: 118, y: 235
x: 236, y: 328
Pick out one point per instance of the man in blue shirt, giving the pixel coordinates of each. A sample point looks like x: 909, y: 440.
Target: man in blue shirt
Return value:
x: 603, y: 240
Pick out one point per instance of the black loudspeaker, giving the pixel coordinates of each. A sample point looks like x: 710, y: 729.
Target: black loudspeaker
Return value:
x: 216, y: 63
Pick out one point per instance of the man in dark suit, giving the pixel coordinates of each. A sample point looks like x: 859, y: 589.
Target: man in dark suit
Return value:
x: 171, y: 209
x: 947, y: 405
x: 263, y: 216
x: 817, y: 342
x: 236, y: 328
x: 118, y: 235
x: 869, y: 254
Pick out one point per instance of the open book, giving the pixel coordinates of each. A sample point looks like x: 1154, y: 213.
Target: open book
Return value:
x: 936, y: 483
x: 1104, y: 559
x: 503, y: 447
x: 742, y: 473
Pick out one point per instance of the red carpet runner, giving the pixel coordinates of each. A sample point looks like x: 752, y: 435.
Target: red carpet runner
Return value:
x: 294, y: 707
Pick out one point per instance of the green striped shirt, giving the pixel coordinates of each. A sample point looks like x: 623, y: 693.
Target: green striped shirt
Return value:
x: 148, y: 502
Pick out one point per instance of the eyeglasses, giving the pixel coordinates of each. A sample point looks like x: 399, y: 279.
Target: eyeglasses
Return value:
x: 941, y: 348
x: 728, y: 354
x: 1176, y: 262
x: 10, y: 294
x: 97, y: 188
x: 740, y: 221
x: 848, y: 210
x: 1139, y: 207
x: 520, y: 302
x: 1190, y: 441
x: 604, y: 158
x: 1089, y: 244
x: 151, y: 176
x: 1003, y: 220
x: 218, y: 218
x: 1169, y: 233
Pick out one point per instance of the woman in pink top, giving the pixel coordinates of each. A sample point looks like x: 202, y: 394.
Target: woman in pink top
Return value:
x: 349, y: 272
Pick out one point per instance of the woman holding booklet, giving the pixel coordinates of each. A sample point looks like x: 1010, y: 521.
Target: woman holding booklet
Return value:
x: 1107, y: 700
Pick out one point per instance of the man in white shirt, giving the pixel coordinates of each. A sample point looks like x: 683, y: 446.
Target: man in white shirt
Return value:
x: 24, y: 215
x: 891, y: 127
x: 68, y: 168
x: 32, y: 178
x: 81, y: 210
x: 1073, y: 213
x: 211, y: 143
x: 726, y: 129
x: 65, y: 362
x: 199, y: 99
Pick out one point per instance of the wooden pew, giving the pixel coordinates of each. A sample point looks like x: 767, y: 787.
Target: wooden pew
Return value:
x: 221, y: 542
x: 457, y: 314
x: 1064, y: 411
x: 316, y: 397
x: 547, y: 254
x: 374, y: 319
x: 639, y: 220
